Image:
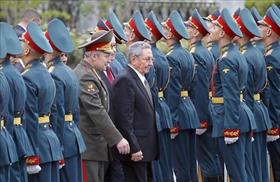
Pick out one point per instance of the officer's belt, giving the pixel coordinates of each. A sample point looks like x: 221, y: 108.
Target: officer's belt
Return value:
x: 44, y: 119
x: 184, y: 93
x: 160, y: 94
x: 1, y: 123
x: 17, y: 121
x: 68, y: 117
x: 257, y: 97
x: 220, y: 100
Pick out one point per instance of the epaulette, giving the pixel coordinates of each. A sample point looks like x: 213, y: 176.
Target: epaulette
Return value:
x: 193, y: 48
x: 243, y: 49
x: 268, y: 50
x: 171, y: 50
x: 51, y: 68
x: 224, y: 52
x: 26, y: 69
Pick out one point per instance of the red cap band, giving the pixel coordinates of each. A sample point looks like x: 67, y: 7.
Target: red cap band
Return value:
x: 153, y: 29
x: 108, y: 24
x: 95, y: 47
x: 51, y: 42
x: 199, y: 27
x: 133, y: 27
x: 225, y: 27
x: 273, y: 25
x: 172, y: 29
x: 32, y: 44
x: 243, y: 28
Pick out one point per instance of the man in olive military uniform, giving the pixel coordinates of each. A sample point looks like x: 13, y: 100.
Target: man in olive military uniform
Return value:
x: 97, y: 128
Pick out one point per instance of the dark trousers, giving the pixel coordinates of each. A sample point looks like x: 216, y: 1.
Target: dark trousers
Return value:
x: 137, y: 171
x: 208, y: 155
x: 274, y: 152
x: 260, y: 169
x: 162, y: 168
x: 18, y: 171
x: 5, y: 173
x: 49, y: 172
x: 114, y: 172
x: 236, y: 157
x: 72, y: 171
x: 184, y: 156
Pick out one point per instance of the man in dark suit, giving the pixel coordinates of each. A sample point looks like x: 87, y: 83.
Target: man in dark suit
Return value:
x: 134, y: 113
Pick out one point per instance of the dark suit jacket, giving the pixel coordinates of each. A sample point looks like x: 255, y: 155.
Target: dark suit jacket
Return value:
x: 96, y: 126
x: 134, y: 115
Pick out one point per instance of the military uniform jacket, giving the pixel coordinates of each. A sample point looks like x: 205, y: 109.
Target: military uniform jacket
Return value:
x: 134, y: 115
x: 214, y: 48
x: 272, y: 56
x: 96, y: 127
x: 16, y: 108
x: 229, y: 79
x: 8, y: 153
x: 40, y: 89
x: 116, y: 67
x: 182, y: 109
x: 66, y: 103
x: 121, y: 58
x: 255, y: 84
x: 199, y: 92
x: 161, y: 80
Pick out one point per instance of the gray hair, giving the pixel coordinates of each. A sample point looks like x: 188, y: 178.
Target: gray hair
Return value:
x: 136, y: 49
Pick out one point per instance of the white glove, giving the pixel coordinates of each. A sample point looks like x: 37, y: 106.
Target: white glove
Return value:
x: 173, y: 135
x: 200, y: 131
x: 230, y: 140
x: 33, y: 169
x: 252, y: 139
x: 272, y: 138
x: 61, y: 166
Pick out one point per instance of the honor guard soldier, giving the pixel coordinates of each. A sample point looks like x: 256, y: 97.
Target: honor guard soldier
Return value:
x: 270, y: 30
x: 114, y: 24
x: 96, y: 126
x: 184, y: 116
x: 212, y: 46
x: 40, y: 88
x: 66, y: 102
x: 13, y: 119
x: 232, y: 120
x: 257, y: 41
x: 8, y: 151
x: 162, y: 168
x: 206, y: 148
x: 114, y: 66
x: 255, y: 84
